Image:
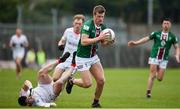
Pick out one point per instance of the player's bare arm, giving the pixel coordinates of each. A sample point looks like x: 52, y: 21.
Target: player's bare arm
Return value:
x: 85, y: 40
x: 176, y: 46
x: 138, y: 42
x: 11, y: 44
x: 25, y: 44
x: 61, y: 43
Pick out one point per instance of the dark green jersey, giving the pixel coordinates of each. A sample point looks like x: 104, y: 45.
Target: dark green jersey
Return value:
x: 92, y: 31
x: 162, y: 44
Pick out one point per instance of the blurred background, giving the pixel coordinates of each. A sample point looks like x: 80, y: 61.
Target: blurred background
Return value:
x: 44, y: 21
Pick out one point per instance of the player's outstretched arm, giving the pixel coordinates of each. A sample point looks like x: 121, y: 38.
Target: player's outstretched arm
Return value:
x: 11, y: 44
x: 26, y: 43
x: 48, y: 67
x: 176, y: 46
x: 138, y: 42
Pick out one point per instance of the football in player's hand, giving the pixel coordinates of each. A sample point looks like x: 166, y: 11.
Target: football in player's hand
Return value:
x: 110, y: 36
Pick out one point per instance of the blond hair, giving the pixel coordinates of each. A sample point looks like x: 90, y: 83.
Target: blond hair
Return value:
x: 79, y: 16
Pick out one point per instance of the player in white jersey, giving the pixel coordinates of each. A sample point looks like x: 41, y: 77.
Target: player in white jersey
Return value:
x: 47, y: 91
x: 18, y: 43
x: 69, y: 43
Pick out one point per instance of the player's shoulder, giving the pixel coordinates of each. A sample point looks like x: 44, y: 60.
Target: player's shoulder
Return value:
x: 13, y: 36
x: 69, y: 29
x: 172, y: 34
x: 24, y: 36
x: 89, y: 22
x: 155, y: 32
x: 103, y: 26
x: 88, y: 25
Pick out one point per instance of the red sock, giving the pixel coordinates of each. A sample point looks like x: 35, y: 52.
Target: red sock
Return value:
x: 73, y: 65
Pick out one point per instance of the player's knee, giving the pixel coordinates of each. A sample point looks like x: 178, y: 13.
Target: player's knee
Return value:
x: 159, y: 78
x: 18, y: 62
x: 87, y: 85
x: 153, y: 70
x: 152, y: 78
x: 101, y: 81
x: 55, y: 79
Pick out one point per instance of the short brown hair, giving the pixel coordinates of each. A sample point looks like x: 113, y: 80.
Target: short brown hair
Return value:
x: 166, y: 19
x: 79, y: 16
x: 99, y: 9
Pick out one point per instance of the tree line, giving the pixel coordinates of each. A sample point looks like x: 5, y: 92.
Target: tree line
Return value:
x: 133, y: 11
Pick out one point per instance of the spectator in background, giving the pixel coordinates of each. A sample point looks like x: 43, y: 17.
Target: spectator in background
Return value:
x: 31, y: 58
x: 41, y: 57
x: 18, y: 43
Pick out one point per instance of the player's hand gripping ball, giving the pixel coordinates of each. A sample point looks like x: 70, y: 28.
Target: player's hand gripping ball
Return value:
x: 110, y: 37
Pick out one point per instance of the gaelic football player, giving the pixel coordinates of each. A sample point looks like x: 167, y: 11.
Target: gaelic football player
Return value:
x: 46, y: 91
x: 163, y: 40
x: 68, y: 43
x: 18, y: 43
x: 87, y: 60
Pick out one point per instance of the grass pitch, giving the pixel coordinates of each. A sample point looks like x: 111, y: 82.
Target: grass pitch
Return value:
x: 124, y: 88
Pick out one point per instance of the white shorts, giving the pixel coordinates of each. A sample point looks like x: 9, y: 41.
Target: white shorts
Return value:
x: 65, y: 65
x: 162, y: 63
x: 85, y: 63
x: 18, y: 55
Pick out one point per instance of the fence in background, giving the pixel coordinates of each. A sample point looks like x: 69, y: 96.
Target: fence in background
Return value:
x: 117, y: 55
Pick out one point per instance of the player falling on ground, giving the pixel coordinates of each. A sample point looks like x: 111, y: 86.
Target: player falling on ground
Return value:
x: 18, y: 43
x: 160, y: 52
x: 69, y: 43
x: 47, y: 91
x: 87, y: 59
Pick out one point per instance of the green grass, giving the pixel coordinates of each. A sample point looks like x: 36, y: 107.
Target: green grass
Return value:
x: 124, y: 88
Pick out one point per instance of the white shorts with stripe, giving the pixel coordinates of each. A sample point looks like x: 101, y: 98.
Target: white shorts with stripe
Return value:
x: 85, y: 63
x: 162, y: 63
